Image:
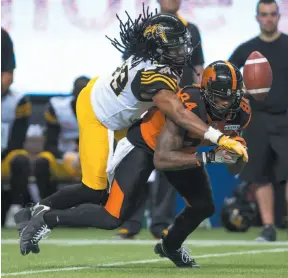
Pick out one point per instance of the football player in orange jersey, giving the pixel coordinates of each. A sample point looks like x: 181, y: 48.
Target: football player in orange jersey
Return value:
x: 158, y: 46
x: 219, y: 102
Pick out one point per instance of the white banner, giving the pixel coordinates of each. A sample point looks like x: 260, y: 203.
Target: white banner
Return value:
x: 57, y: 40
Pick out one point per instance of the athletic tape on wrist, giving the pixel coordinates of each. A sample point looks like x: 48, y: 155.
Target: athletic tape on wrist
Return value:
x: 212, y: 135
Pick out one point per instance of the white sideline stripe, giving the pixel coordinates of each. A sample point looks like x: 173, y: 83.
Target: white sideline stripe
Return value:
x: 251, y: 252
x: 258, y: 91
x: 84, y: 242
x: 256, y: 61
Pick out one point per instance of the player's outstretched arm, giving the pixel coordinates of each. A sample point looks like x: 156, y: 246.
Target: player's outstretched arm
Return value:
x: 169, y: 104
x: 169, y: 154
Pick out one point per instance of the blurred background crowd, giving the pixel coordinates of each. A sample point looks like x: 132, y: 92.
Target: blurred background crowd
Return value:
x: 49, y: 51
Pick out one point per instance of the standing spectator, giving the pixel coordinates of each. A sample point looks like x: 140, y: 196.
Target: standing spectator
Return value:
x: 267, y: 134
x: 15, y: 113
x: 7, y: 61
x: 189, y: 75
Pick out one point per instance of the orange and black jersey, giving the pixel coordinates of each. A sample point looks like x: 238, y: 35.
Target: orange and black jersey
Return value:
x: 19, y: 126
x: 53, y: 130
x: 145, y: 132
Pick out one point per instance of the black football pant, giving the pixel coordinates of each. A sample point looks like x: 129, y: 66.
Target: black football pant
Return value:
x: 161, y: 199
x: 125, y: 196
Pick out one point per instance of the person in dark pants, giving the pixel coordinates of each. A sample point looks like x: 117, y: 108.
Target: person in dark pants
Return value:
x: 267, y: 135
x: 15, y: 113
x: 163, y: 203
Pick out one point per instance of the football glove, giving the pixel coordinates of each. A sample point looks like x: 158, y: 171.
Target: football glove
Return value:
x: 234, y: 145
x: 218, y: 155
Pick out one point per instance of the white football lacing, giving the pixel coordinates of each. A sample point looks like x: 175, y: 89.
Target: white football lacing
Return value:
x: 41, y: 234
x: 185, y: 254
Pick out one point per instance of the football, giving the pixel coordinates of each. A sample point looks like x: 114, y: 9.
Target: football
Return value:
x: 257, y: 76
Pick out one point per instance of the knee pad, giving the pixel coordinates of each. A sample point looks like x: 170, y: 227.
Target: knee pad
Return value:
x: 20, y: 165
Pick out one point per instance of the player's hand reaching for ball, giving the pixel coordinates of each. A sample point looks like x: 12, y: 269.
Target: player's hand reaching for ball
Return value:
x: 234, y: 145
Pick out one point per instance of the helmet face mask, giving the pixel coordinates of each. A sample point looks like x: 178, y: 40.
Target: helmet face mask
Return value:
x: 223, y: 106
x: 178, y: 54
x: 222, y: 90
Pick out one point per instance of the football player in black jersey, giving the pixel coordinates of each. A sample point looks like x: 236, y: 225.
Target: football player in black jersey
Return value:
x: 219, y: 102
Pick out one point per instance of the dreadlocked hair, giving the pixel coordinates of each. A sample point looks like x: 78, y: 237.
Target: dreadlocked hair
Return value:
x: 133, y: 41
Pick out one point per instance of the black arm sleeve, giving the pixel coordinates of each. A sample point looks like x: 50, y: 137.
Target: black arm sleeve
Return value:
x: 19, y: 128
x: 52, y: 132
x: 7, y: 52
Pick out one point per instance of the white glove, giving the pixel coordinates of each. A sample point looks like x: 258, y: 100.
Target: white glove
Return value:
x: 218, y: 155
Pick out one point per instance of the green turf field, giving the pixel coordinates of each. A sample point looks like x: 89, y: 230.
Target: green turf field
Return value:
x: 93, y: 253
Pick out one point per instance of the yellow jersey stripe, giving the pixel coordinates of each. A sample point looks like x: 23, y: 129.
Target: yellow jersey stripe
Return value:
x: 24, y: 107
x: 24, y: 110
x: 148, y: 72
x: 170, y: 85
x: 50, y: 118
x: 171, y: 80
x: 160, y: 75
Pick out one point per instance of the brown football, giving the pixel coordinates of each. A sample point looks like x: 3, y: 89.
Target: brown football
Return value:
x: 257, y: 76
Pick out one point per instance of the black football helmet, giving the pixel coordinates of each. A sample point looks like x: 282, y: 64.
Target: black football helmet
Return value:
x: 168, y: 40
x: 238, y: 212
x: 222, y: 82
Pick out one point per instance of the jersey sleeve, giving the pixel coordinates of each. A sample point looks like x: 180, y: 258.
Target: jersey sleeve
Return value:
x: 239, y: 56
x: 148, y: 82
x: 20, y: 127
x: 192, y: 101
x: 245, y: 113
x: 243, y: 117
x: 24, y: 108
x: 50, y: 115
x: 52, y: 132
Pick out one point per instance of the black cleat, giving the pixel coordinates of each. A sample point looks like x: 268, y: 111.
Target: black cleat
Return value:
x: 180, y: 257
x: 22, y: 218
x: 34, y: 231
x: 268, y: 233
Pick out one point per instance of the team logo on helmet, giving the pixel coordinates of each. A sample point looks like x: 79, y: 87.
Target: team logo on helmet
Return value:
x: 155, y: 31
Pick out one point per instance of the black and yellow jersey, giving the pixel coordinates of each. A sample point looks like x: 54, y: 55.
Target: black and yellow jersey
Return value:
x: 15, y: 113
x: 145, y: 132
x: 119, y: 99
